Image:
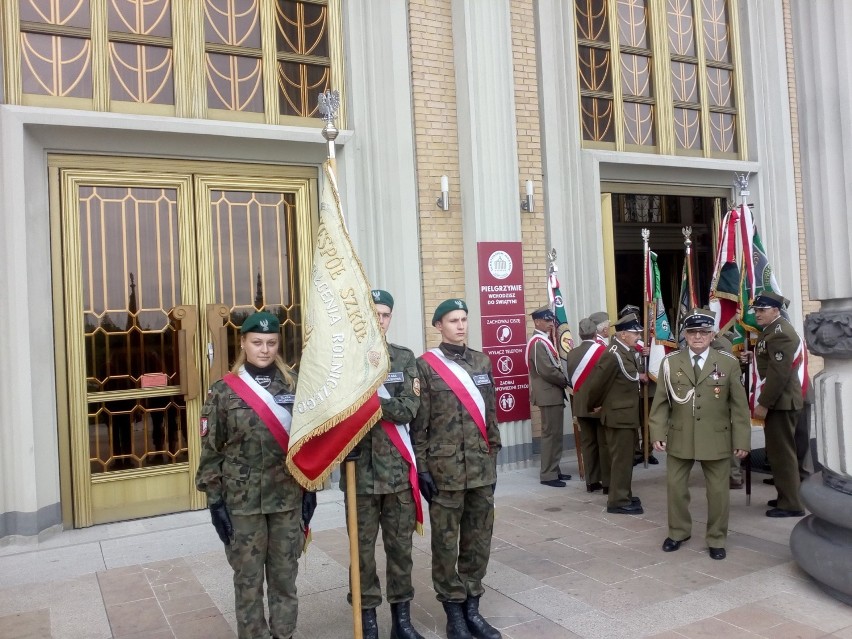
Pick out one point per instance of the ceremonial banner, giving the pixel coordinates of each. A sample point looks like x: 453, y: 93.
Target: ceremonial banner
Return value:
x: 725, y: 288
x: 345, y: 359
x: 688, y: 299
x: 564, y: 340
x: 662, y: 340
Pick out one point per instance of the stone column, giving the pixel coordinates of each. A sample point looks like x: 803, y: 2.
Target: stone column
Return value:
x: 822, y: 542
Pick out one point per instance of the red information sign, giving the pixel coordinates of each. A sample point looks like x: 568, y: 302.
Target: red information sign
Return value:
x: 504, y: 333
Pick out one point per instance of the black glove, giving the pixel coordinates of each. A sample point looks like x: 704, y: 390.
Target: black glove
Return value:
x: 222, y: 522
x: 427, y: 486
x: 309, y: 505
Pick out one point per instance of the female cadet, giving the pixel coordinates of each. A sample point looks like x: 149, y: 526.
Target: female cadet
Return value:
x: 257, y: 508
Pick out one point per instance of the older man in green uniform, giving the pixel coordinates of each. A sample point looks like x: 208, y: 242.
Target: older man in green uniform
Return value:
x: 456, y: 440
x: 614, y: 386
x: 581, y: 361
x: 700, y: 413
x: 780, y: 358
x: 384, y: 489
x: 547, y: 391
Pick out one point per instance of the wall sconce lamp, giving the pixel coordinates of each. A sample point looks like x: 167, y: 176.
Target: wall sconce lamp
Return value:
x: 443, y: 200
x: 527, y: 204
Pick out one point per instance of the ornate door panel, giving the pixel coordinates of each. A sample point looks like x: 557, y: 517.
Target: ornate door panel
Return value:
x: 160, y: 266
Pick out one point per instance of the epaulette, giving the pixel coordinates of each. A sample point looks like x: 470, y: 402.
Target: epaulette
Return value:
x: 400, y: 348
x: 732, y: 356
x: 672, y: 353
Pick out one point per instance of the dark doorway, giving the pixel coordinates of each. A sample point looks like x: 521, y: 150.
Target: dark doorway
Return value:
x: 664, y: 216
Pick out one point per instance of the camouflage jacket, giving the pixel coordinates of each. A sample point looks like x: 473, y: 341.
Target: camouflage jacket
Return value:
x: 380, y: 468
x: 240, y: 460
x: 446, y: 440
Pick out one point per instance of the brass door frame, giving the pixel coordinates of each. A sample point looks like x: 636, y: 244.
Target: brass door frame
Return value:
x: 193, y: 180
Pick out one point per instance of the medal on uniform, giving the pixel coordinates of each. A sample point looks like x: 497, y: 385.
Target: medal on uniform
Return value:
x: 717, y: 390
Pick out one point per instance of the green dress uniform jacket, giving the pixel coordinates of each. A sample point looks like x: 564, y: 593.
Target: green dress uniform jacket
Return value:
x: 446, y: 440
x: 776, y: 350
x: 547, y: 381
x: 580, y: 404
x: 614, y: 386
x: 715, y: 421
x: 380, y: 468
x: 241, y: 462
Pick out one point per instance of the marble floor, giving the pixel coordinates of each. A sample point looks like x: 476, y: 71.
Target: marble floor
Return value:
x: 560, y: 567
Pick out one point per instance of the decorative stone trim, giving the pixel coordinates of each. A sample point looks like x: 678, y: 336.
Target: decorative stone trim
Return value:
x: 829, y: 334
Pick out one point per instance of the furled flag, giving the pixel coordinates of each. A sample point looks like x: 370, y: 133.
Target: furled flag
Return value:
x: 563, y: 332
x: 345, y: 359
x: 725, y: 287
x: 688, y: 298
x: 662, y: 339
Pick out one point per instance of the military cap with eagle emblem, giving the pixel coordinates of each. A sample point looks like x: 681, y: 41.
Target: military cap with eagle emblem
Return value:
x: 769, y: 299
x: 382, y: 297
x: 630, y: 323
x: 698, y: 319
x: 447, y: 306
x: 261, y: 322
x: 543, y: 313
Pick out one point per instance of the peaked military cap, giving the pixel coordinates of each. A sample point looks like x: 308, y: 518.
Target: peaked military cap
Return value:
x: 446, y: 306
x: 630, y: 323
x: 699, y: 318
x: 627, y: 309
x: 769, y: 299
x: 543, y: 313
x: 600, y: 317
x: 261, y: 322
x: 588, y: 327
x: 382, y: 297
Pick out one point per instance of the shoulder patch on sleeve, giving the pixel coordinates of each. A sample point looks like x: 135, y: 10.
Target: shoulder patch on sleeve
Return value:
x: 415, y: 386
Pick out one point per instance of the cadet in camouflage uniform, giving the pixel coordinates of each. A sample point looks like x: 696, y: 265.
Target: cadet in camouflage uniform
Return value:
x: 257, y: 508
x: 457, y: 463
x: 780, y: 401
x: 700, y: 414
x: 385, y: 493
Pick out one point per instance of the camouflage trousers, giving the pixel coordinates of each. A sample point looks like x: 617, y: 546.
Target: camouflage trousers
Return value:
x: 462, y: 522
x: 270, y: 546
x: 395, y: 514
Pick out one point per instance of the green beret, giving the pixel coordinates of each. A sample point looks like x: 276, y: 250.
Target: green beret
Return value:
x: 445, y: 307
x: 382, y: 297
x: 261, y: 322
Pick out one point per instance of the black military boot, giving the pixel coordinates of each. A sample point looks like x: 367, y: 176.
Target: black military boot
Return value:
x: 401, y: 617
x: 479, y: 628
x: 369, y: 624
x: 456, y: 626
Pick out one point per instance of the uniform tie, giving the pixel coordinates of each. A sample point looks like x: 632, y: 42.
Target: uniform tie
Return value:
x: 696, y: 367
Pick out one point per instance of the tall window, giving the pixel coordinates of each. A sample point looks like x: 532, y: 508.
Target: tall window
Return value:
x: 659, y: 76
x: 252, y: 60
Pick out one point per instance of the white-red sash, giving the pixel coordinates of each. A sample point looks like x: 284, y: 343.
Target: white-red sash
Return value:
x: 601, y: 340
x: 398, y: 434
x: 538, y: 337
x: 462, y: 385
x: 586, y: 365
x: 276, y: 418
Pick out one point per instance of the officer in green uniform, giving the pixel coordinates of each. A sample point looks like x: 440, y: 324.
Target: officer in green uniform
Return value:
x: 722, y: 343
x: 259, y: 511
x: 593, y: 442
x: 700, y: 413
x: 456, y: 440
x: 780, y: 400
x: 385, y: 493
x: 614, y: 386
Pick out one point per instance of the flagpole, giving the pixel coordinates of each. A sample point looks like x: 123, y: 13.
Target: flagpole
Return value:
x: 741, y: 181
x: 328, y: 104
x: 646, y: 235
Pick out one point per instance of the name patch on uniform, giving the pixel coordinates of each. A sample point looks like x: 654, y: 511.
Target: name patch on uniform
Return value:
x: 283, y: 400
x: 481, y: 380
x: 203, y: 426
x: 395, y: 377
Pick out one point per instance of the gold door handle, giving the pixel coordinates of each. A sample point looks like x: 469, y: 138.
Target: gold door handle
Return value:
x: 217, y: 348
x: 187, y: 318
